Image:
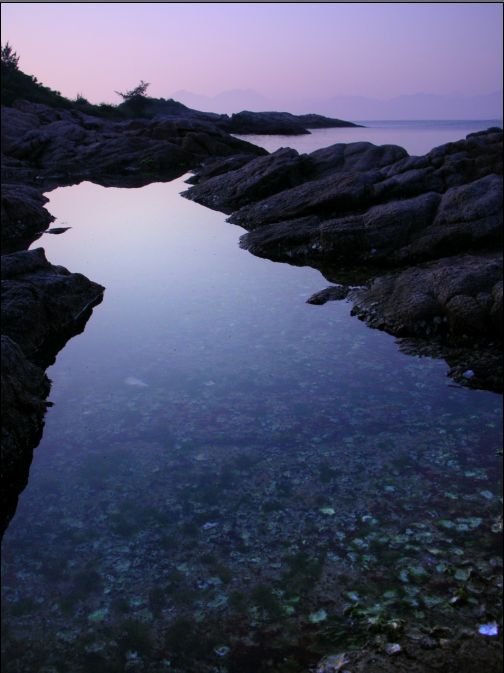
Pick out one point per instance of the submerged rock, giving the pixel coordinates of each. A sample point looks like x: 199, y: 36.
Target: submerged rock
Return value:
x: 334, y: 293
x: 490, y: 629
x: 133, y: 381
x: 332, y: 663
x: 319, y: 616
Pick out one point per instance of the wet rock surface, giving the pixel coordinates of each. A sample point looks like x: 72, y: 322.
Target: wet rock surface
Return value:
x: 435, y: 219
x: 24, y: 390
x: 42, y: 307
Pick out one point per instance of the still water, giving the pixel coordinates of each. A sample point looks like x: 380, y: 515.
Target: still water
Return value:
x: 231, y: 479
x: 417, y: 137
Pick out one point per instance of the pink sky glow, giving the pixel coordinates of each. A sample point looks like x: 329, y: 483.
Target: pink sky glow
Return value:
x: 289, y: 50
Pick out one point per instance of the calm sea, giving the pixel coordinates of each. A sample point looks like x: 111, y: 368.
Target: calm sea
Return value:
x: 231, y: 479
x: 417, y: 137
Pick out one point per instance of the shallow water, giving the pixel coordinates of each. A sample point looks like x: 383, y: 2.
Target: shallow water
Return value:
x: 417, y: 137
x: 232, y: 479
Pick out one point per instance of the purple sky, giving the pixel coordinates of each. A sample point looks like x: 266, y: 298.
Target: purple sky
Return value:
x: 284, y: 50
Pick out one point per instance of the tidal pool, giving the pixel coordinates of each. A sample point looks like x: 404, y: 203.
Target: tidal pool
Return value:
x: 231, y: 479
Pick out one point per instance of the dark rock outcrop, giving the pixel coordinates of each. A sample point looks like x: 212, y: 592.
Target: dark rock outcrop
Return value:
x: 279, y: 123
x: 457, y: 297
x: 425, y: 232
x: 314, y: 121
x: 405, y: 231
x: 274, y: 123
x: 284, y: 175
x: 51, y: 147
x: 371, y: 178
x: 245, y: 122
x: 42, y: 307
x: 258, y: 179
x: 212, y: 168
x: 24, y: 217
x: 24, y: 390
x: 48, y: 147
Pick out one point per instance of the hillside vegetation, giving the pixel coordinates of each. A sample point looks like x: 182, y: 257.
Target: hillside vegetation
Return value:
x: 17, y: 85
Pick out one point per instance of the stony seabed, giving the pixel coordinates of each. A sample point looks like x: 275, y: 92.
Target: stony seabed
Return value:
x: 207, y: 551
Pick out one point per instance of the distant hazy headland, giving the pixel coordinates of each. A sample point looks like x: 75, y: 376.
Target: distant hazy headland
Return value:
x: 414, y: 106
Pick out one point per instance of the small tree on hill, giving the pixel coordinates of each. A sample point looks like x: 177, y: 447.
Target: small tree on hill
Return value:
x: 134, y: 101
x: 9, y: 57
x: 138, y: 92
x: 80, y: 99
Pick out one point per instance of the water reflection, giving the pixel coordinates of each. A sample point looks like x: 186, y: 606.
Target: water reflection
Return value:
x: 231, y: 477
x: 417, y: 137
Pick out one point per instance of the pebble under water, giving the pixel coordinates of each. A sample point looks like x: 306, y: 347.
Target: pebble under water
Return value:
x: 232, y: 480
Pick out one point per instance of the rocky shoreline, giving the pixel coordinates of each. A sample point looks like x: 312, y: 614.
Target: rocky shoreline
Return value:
x: 44, y: 305
x: 412, y: 242
x: 416, y: 241
x: 278, y: 123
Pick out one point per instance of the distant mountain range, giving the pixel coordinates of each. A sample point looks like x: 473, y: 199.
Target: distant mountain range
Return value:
x: 354, y: 108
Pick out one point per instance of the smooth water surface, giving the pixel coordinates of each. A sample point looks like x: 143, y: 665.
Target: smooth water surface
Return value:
x: 417, y: 137
x: 232, y: 479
